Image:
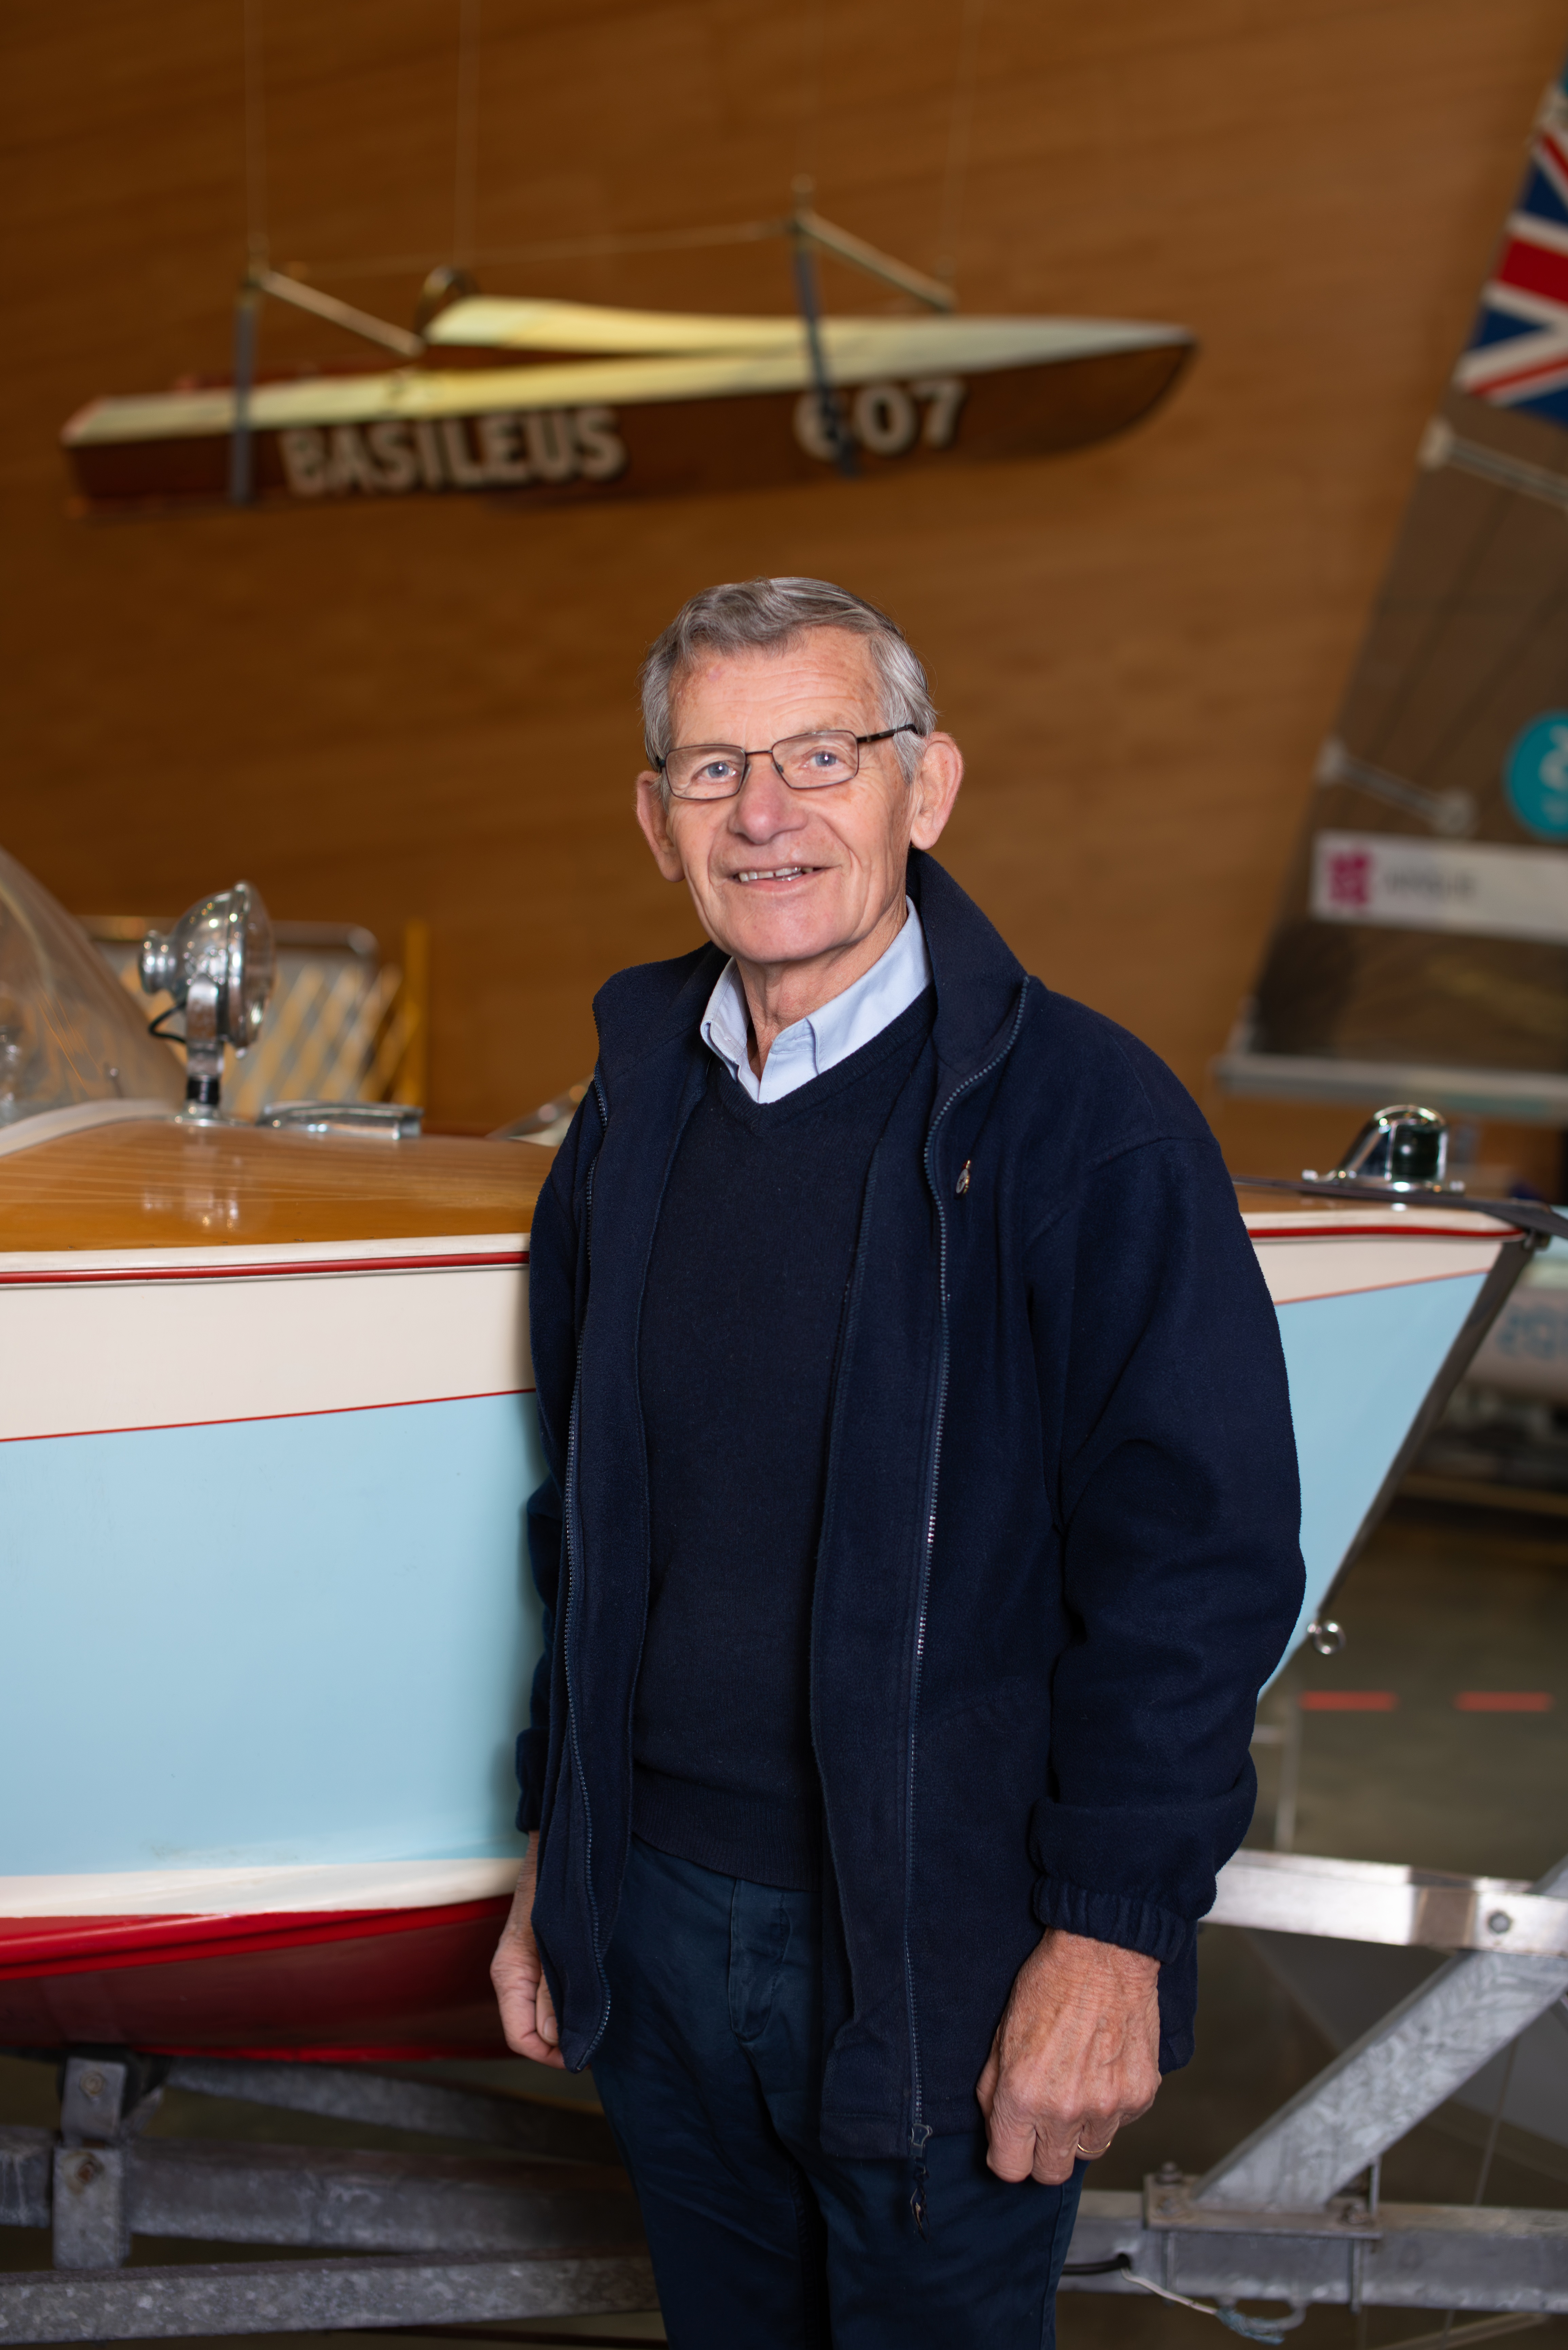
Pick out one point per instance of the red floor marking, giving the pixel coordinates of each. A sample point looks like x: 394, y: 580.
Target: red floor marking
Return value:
x: 1347, y: 1702
x: 1502, y: 1701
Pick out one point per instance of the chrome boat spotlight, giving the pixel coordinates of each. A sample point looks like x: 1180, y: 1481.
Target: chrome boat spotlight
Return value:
x: 218, y: 964
x: 1403, y: 1147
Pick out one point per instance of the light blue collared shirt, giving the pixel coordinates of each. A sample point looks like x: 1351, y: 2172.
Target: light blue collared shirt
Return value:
x: 830, y: 1033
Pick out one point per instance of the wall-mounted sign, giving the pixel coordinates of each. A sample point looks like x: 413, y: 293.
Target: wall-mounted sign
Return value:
x: 1401, y: 882
x: 648, y: 421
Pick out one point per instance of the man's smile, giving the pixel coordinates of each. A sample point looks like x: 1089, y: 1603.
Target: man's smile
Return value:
x: 776, y: 872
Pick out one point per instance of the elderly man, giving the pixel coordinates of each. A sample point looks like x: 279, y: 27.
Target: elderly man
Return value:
x: 921, y: 1524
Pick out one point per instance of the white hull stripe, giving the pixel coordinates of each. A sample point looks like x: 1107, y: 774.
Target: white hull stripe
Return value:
x: 258, y: 1892
x: 1297, y: 1271
x: 141, y: 1340
x: 1346, y: 1252
x: 187, y: 1338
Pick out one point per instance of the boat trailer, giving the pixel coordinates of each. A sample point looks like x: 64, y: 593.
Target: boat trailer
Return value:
x: 538, y: 2220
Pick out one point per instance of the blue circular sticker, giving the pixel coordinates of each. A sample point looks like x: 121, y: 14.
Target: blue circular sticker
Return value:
x: 1535, y: 773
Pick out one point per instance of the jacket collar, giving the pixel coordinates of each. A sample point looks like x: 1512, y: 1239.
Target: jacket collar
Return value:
x: 977, y: 975
x: 656, y: 1007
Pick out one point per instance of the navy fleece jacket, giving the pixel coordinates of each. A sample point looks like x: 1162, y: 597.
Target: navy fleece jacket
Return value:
x: 1059, y: 1548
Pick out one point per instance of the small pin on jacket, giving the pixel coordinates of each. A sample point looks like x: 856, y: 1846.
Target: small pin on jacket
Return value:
x: 961, y: 1186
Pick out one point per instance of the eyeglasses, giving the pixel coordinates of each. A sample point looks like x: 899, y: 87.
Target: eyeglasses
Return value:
x: 807, y: 762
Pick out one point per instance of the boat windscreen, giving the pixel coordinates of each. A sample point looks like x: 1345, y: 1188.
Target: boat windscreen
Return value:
x: 69, y: 1033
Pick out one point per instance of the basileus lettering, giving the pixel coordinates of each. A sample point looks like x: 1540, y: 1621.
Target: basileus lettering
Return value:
x: 395, y: 455
x: 498, y: 447
x: 303, y: 454
x: 348, y: 465
x: 504, y: 449
x: 463, y: 470
x: 601, y: 451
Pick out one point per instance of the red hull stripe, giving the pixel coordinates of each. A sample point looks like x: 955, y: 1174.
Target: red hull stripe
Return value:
x: 327, y: 1268
x: 68, y: 1946
x: 1402, y: 1232
x: 400, y: 1983
x: 255, y: 1419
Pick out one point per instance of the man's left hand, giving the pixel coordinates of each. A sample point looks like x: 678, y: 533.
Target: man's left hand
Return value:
x: 1076, y: 2055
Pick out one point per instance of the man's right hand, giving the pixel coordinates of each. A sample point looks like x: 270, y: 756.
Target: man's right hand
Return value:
x: 527, y: 2011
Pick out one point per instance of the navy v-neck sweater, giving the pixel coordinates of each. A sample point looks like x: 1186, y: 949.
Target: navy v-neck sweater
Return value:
x: 749, y: 1268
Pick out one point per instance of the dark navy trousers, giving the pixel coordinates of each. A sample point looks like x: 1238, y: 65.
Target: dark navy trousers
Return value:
x: 710, y: 2072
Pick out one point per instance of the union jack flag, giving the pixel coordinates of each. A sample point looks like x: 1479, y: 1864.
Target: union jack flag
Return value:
x: 1518, y: 352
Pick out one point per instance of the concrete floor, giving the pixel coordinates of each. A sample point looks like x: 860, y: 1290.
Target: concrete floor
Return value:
x: 1444, y: 1602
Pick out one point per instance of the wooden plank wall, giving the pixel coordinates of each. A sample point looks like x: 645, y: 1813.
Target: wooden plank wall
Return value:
x: 427, y: 707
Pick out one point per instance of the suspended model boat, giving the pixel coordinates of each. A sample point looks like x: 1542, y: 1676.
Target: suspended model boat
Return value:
x: 633, y: 404
x: 1422, y: 948
x: 266, y: 1434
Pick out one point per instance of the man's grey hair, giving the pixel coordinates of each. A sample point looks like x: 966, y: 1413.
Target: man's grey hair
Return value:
x: 761, y: 615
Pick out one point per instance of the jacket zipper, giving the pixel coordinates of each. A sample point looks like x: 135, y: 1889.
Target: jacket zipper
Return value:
x: 572, y: 1580
x: 920, y: 2133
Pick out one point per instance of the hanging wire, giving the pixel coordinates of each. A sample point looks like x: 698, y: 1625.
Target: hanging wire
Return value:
x: 1236, y: 2320
x: 465, y: 187
x: 959, y: 122
x: 247, y: 302
x: 564, y: 249
x: 1496, y: 2129
x: 1491, y: 2138
x: 814, y: 21
x: 255, y: 137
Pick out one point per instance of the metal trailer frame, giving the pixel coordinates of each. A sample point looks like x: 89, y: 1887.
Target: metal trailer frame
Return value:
x: 551, y: 2229
x: 430, y: 2239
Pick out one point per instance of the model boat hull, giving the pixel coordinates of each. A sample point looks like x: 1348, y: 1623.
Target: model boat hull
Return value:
x: 266, y: 1565
x: 623, y: 428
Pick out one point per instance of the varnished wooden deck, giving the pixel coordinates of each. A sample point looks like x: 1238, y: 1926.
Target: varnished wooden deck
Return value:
x: 164, y: 1185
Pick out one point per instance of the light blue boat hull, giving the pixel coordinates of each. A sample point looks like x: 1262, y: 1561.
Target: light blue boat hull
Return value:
x: 1360, y: 1369
x: 271, y: 1641
x: 308, y: 1641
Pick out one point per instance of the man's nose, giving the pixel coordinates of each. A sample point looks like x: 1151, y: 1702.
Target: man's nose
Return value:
x: 765, y: 806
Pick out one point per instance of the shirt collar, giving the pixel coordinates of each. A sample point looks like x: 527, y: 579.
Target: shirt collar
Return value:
x: 810, y: 1046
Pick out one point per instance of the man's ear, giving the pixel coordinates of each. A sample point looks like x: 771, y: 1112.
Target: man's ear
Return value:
x: 654, y: 817
x: 934, y: 788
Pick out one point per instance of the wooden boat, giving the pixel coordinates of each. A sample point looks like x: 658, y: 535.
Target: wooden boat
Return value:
x: 633, y: 404
x: 265, y: 1443
x: 267, y: 1436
